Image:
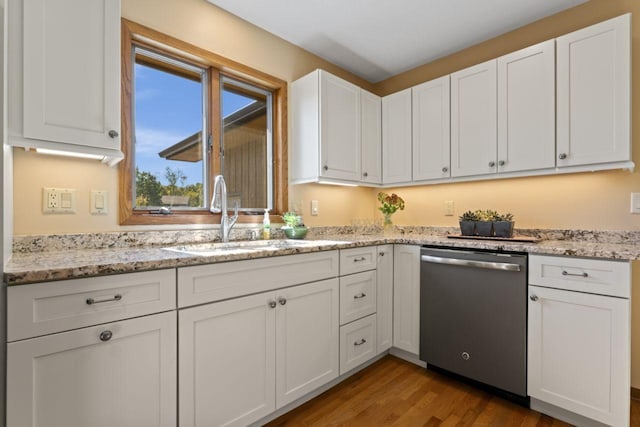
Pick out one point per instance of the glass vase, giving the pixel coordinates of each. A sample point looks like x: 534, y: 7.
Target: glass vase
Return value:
x: 387, y: 225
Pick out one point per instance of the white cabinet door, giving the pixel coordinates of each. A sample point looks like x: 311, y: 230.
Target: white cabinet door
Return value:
x: 474, y: 120
x: 371, y: 114
x: 406, y: 298
x: 117, y: 374
x: 72, y: 71
x: 431, y: 130
x: 578, y: 353
x: 384, y: 297
x: 340, y: 145
x: 396, y: 137
x: 594, y: 90
x: 526, y: 109
x: 227, y: 361
x: 307, y: 337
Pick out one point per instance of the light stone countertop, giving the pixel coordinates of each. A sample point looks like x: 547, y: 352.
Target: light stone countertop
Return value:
x: 58, y: 264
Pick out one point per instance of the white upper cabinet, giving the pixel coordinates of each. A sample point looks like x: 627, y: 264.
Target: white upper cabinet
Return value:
x: 594, y: 90
x: 66, y: 86
x: 396, y: 138
x: 473, y: 120
x: 526, y: 109
x: 431, y: 130
x: 371, y: 111
x: 335, y: 131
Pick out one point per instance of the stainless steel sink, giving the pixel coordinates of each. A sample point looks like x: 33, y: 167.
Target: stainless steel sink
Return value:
x: 212, y: 249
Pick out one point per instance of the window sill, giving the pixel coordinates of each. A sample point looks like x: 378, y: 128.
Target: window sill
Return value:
x: 144, y: 218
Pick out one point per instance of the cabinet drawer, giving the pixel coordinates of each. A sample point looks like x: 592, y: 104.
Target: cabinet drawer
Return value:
x: 357, y: 296
x: 215, y: 282
x: 49, y: 307
x: 602, y: 277
x: 357, y: 343
x: 355, y: 260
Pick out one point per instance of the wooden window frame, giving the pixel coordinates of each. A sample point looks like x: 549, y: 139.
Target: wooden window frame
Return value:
x: 136, y: 34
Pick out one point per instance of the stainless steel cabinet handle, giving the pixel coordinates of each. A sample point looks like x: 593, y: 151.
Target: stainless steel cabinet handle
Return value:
x: 272, y: 304
x: 116, y: 297
x: 360, y: 295
x: 470, y: 263
x: 562, y: 156
x: 113, y: 133
x: 492, y: 164
x: 282, y: 300
x: 445, y: 169
x: 359, y: 259
x: 105, y: 335
x: 362, y: 341
x: 501, y: 163
x: 533, y: 297
x: 583, y: 274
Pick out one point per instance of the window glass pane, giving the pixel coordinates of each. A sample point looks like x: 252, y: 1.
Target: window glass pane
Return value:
x: 169, y: 125
x: 246, y: 145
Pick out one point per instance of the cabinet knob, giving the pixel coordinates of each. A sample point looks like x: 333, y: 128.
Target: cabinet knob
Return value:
x: 282, y: 300
x: 501, y: 163
x: 325, y: 167
x: 381, y: 253
x: 365, y: 174
x: 113, y: 133
x: 445, y: 169
x: 272, y: 304
x: 562, y: 156
x: 492, y: 164
x: 105, y: 335
x: 533, y: 297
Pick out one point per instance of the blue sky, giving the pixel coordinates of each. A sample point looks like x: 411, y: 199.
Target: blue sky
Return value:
x: 169, y: 109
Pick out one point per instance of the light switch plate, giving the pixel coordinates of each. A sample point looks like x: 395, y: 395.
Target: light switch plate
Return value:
x: 315, y: 208
x: 635, y: 203
x: 448, y: 208
x: 99, y: 202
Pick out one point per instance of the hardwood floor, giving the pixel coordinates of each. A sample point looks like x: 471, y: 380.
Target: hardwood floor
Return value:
x: 392, y: 392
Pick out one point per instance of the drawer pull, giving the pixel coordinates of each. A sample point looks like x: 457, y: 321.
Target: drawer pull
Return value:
x: 116, y: 297
x: 360, y: 295
x: 105, y: 335
x: 566, y: 273
x: 362, y: 341
x: 359, y: 259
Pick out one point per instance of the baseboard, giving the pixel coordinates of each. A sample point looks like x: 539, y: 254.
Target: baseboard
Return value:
x: 409, y: 357
x: 564, y: 415
x: 635, y: 393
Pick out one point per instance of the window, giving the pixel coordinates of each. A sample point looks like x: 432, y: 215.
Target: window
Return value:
x: 189, y: 115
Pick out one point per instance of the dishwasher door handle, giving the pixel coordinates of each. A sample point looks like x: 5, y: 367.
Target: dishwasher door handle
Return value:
x: 471, y: 263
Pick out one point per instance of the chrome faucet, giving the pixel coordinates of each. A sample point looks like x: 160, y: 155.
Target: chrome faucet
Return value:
x: 219, y: 205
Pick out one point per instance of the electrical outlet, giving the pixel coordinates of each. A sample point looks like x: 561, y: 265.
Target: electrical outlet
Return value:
x: 58, y: 200
x: 448, y: 208
x: 635, y: 203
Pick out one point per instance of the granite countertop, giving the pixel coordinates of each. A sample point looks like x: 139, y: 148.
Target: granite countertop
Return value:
x: 58, y: 263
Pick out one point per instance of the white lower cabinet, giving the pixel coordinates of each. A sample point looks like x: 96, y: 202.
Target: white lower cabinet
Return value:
x: 406, y: 298
x: 578, y: 342
x: 241, y: 359
x: 384, y: 298
x: 357, y: 343
x: 117, y: 374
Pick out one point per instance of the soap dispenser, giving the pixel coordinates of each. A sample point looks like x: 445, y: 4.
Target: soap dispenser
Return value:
x: 266, y: 226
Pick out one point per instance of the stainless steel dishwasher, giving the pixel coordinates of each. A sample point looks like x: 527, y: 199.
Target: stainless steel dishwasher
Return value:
x: 473, y: 316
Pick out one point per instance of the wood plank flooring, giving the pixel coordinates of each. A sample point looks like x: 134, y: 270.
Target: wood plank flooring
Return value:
x: 392, y: 392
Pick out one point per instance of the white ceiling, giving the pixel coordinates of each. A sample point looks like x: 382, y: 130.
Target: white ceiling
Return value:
x: 377, y: 39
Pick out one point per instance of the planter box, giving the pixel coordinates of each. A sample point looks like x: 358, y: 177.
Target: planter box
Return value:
x: 503, y: 228
x: 484, y: 228
x: 467, y: 228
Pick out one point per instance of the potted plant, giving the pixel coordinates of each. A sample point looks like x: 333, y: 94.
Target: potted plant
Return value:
x: 503, y: 225
x: 294, y: 227
x: 468, y: 223
x: 484, y: 224
x: 389, y: 205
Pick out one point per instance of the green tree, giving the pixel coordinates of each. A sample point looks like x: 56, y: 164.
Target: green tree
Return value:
x: 148, y: 189
x: 173, y: 177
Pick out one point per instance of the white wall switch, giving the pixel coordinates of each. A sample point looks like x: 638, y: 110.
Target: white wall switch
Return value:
x: 314, y: 207
x: 99, y: 202
x: 635, y: 203
x: 59, y: 200
x: 448, y: 208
